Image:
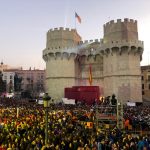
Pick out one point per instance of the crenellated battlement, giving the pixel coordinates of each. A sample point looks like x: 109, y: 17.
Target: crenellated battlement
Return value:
x: 125, y: 20
x: 62, y: 29
x: 123, y: 42
x: 62, y: 38
x: 84, y: 48
x: 120, y: 44
x: 89, y: 41
x: 62, y: 33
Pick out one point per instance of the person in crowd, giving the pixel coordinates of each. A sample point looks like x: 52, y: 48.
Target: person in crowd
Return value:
x: 113, y: 100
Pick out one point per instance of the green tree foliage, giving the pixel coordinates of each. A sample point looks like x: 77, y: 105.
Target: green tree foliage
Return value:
x: 2, y: 84
x: 17, y: 83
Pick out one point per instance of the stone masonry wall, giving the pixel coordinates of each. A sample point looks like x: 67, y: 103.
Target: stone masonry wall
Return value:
x: 60, y: 73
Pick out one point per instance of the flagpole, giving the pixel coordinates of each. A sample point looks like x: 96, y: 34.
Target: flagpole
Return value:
x: 90, y: 75
x: 75, y: 20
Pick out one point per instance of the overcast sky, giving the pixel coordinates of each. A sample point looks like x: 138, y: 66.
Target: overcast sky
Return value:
x: 24, y: 23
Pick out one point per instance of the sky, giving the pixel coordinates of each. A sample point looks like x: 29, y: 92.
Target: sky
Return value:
x: 24, y: 23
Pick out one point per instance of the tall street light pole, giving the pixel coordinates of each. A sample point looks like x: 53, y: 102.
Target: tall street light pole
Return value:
x: 46, y: 99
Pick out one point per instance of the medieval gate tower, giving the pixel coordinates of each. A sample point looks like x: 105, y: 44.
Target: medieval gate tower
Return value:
x: 115, y: 60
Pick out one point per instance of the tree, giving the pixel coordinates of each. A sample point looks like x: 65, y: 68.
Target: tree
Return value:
x: 17, y: 83
x: 2, y: 84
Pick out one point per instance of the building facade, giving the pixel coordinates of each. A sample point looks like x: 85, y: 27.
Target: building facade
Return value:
x: 19, y: 80
x: 32, y: 81
x: 8, y: 78
x: 114, y: 59
x: 145, y: 77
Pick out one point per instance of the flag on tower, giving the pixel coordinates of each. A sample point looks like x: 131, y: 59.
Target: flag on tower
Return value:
x: 90, y: 75
x: 78, y: 17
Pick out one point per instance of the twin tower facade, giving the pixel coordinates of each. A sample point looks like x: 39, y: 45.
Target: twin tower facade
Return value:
x: 114, y: 59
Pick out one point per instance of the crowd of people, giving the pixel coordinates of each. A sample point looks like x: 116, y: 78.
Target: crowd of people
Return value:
x: 69, y: 127
x: 138, y: 117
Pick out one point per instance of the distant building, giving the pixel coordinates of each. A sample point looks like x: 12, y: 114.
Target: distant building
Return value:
x: 145, y: 77
x: 32, y: 81
x: 19, y: 80
x: 4, y: 67
x: 8, y: 78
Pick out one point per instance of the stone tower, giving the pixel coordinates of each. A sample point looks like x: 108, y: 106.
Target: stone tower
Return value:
x: 60, y: 60
x: 122, y: 53
x: 115, y: 60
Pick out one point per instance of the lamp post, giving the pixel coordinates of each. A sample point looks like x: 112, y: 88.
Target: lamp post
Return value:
x: 120, y: 115
x: 46, y: 99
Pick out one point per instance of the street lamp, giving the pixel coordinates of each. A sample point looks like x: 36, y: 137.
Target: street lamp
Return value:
x: 46, y: 99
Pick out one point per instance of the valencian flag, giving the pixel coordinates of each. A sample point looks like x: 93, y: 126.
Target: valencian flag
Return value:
x: 78, y: 17
x: 90, y: 75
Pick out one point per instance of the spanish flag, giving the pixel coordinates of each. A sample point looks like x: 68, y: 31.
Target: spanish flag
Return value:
x: 78, y: 17
x: 90, y: 75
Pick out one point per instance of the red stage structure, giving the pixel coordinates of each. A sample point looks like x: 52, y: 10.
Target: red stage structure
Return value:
x: 86, y: 94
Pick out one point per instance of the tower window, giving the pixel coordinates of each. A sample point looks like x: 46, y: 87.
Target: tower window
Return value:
x: 143, y: 93
x: 142, y: 86
x: 148, y: 77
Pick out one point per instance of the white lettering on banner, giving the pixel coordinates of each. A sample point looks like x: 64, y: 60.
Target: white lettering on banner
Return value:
x: 130, y: 104
x: 68, y: 101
